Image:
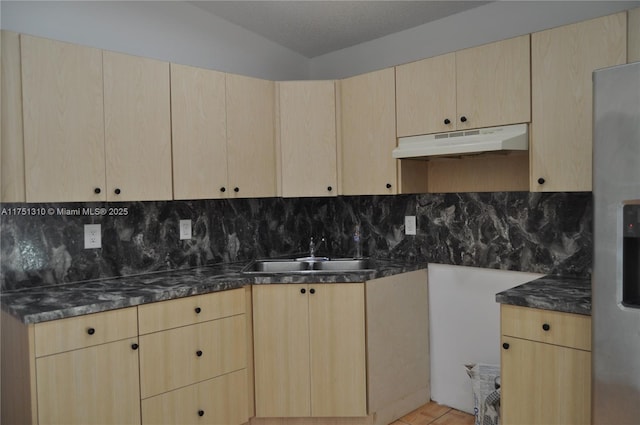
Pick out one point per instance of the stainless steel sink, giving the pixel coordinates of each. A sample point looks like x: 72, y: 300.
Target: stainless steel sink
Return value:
x: 309, y: 265
x: 344, y: 265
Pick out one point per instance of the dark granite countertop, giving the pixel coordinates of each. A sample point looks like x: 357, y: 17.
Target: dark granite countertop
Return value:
x: 558, y: 293
x: 40, y: 304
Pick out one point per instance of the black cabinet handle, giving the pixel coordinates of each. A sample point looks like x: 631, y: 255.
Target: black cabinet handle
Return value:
x: 198, y: 310
x: 303, y: 291
x: 312, y: 291
x: 134, y: 346
x: 223, y: 189
x: 329, y: 188
x: 97, y: 190
x: 505, y: 345
x: 199, y: 353
x: 541, y: 180
x: 117, y: 191
x: 91, y: 331
x: 236, y: 189
x: 447, y: 121
x: 388, y: 185
x: 200, y: 412
x: 546, y: 327
x: 463, y: 118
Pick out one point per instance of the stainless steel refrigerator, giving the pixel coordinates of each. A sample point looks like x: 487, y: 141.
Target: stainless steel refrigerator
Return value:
x: 616, y: 267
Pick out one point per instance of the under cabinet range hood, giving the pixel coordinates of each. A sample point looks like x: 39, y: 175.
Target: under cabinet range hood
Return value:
x: 464, y: 142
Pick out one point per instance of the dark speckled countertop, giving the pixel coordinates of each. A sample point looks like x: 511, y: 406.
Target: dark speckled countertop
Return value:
x: 558, y: 293
x: 40, y: 304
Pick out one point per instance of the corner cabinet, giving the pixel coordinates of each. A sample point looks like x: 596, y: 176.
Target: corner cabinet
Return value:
x: 309, y: 350
x: 368, y: 137
x: 483, y: 86
x: 545, y: 367
x: 307, y: 138
x: 562, y: 61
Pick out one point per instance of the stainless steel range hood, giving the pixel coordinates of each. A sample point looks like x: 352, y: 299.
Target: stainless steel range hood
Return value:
x: 457, y: 143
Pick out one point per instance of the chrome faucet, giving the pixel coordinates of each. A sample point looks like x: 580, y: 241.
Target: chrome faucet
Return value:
x: 313, y: 248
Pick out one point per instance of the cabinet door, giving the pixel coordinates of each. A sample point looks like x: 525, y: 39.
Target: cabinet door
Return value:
x: 281, y: 350
x: 95, y: 385
x: 426, y: 96
x: 562, y: 61
x: 62, y: 99
x: 544, y: 384
x: 198, y: 126
x: 11, y: 132
x: 251, y: 142
x: 337, y: 341
x: 308, y: 138
x: 494, y: 84
x: 137, y: 128
x: 368, y: 134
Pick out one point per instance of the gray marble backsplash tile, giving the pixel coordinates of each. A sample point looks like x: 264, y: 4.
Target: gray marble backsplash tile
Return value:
x: 535, y: 232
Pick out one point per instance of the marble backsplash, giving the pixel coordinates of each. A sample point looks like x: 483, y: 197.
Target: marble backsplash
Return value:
x: 534, y: 232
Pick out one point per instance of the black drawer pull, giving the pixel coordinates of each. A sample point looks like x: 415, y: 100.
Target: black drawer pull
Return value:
x: 198, y: 310
x: 546, y: 327
x: 447, y: 121
x: 200, y: 412
x: 505, y: 345
x: 303, y: 291
x: 313, y: 291
x: 91, y: 331
x: 541, y: 180
x: 134, y: 346
x: 199, y: 353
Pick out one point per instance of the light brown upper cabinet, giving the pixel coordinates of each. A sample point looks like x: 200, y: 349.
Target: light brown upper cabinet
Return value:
x: 137, y: 128
x: 63, y: 121
x: 307, y: 138
x: 479, y: 87
x: 368, y: 133
x: 11, y: 134
x: 562, y: 61
x: 251, y: 145
x: 199, y: 130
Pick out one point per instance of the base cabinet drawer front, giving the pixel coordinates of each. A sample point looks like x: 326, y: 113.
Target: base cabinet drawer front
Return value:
x: 84, y: 331
x: 183, y: 356
x: 544, y: 384
x: 190, y: 310
x: 552, y: 327
x: 94, y: 385
x: 218, y: 401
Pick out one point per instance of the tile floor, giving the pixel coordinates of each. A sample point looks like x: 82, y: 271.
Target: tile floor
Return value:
x: 436, y: 414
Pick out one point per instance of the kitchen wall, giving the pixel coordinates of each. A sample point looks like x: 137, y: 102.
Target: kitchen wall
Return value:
x: 534, y: 232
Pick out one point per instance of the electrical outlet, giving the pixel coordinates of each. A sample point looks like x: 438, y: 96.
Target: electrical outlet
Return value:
x: 185, y: 229
x: 92, y: 236
x: 410, y: 225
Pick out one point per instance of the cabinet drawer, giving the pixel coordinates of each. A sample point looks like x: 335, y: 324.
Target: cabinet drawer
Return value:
x: 190, y: 310
x: 552, y: 327
x: 84, y: 331
x: 221, y: 400
x: 186, y: 355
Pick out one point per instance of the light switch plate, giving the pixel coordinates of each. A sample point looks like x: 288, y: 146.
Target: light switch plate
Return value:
x: 185, y: 229
x: 410, y: 225
x: 92, y: 236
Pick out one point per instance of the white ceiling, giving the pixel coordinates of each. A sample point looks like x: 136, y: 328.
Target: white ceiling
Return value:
x: 313, y: 28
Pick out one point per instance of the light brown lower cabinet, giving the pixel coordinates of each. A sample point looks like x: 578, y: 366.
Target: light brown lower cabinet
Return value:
x: 545, y: 367
x: 221, y: 400
x: 309, y: 350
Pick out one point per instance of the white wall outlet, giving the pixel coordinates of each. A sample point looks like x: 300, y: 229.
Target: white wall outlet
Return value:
x: 92, y: 236
x: 410, y: 225
x: 185, y: 229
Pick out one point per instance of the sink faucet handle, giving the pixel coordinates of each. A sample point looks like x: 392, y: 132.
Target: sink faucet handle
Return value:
x: 312, y: 248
